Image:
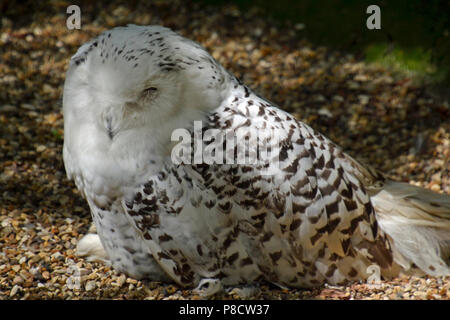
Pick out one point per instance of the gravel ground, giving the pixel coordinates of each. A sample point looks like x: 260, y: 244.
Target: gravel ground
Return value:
x: 380, y: 118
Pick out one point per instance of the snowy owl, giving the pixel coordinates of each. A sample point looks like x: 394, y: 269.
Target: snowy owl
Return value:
x: 308, y: 216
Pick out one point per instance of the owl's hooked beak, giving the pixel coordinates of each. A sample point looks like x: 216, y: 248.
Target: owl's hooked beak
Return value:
x: 108, y: 126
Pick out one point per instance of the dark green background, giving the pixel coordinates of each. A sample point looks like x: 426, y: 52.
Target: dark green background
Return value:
x: 414, y: 35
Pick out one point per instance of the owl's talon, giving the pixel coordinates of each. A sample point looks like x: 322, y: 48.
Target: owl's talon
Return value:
x: 208, y: 287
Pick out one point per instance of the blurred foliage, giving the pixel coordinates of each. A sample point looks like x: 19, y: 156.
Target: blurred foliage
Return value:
x: 414, y: 35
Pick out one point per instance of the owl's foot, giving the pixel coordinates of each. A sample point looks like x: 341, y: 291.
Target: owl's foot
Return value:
x: 208, y: 287
x: 245, y: 292
x: 91, y: 247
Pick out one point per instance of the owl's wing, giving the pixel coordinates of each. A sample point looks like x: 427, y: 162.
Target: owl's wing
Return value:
x: 263, y: 219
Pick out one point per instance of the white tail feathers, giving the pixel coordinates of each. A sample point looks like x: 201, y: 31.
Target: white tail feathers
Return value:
x: 418, y: 222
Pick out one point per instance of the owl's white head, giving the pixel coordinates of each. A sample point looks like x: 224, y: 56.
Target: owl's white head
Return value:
x: 130, y: 87
x: 142, y: 75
